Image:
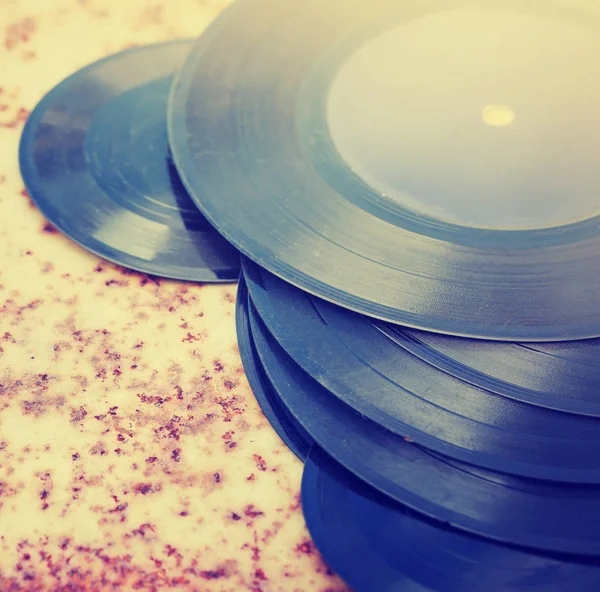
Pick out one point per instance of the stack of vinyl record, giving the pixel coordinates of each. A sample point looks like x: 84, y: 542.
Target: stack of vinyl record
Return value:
x: 414, y: 189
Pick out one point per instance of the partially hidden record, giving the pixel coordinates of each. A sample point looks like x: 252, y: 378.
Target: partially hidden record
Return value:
x: 407, y: 160
x: 346, y: 354
x: 376, y: 544
x: 562, y: 375
x: 95, y: 159
x: 542, y: 515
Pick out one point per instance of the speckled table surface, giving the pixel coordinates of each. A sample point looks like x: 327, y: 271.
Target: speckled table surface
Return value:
x: 132, y: 452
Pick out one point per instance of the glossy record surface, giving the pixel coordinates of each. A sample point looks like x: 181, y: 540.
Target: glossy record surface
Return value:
x: 289, y: 431
x: 431, y: 164
x: 376, y: 544
x: 536, y: 514
x: 95, y: 159
x: 563, y: 375
x: 346, y: 354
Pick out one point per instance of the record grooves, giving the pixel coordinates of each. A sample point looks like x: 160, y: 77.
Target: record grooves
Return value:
x: 535, y: 514
x: 407, y: 195
x: 375, y: 544
x: 561, y: 376
x: 95, y: 159
x: 387, y: 186
x: 348, y: 356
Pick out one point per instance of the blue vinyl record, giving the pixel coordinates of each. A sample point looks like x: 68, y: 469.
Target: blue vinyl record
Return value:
x: 563, y: 375
x: 345, y: 353
x: 283, y: 423
x: 377, y: 545
x: 433, y: 164
x: 542, y: 515
x: 95, y: 159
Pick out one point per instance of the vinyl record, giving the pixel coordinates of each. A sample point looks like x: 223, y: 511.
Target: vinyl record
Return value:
x: 95, y: 159
x: 432, y: 164
x: 286, y: 426
x: 563, y: 375
x: 543, y: 515
x: 375, y: 544
x: 347, y: 355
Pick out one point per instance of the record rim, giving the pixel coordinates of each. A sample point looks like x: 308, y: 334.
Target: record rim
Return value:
x: 292, y: 437
x: 368, y: 407
x: 480, y: 379
x: 445, y: 512
x: 34, y: 187
x: 311, y: 493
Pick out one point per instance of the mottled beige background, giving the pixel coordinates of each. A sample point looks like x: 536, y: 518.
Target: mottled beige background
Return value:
x: 132, y: 452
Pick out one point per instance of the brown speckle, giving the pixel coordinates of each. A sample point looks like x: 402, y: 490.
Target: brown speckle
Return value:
x: 49, y: 228
x: 20, y: 117
x: 19, y: 32
x: 144, y: 488
x: 98, y: 449
x: 24, y: 193
x: 261, y: 464
x: 149, y: 278
x: 305, y: 547
x: 252, y: 512
x: 213, y: 574
x: 78, y: 415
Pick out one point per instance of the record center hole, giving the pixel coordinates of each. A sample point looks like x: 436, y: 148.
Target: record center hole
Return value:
x: 498, y: 115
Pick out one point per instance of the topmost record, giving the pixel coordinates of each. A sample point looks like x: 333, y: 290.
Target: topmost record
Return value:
x: 431, y: 163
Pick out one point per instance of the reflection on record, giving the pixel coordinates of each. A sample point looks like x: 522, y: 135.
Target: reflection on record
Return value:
x: 95, y: 159
x: 376, y: 544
